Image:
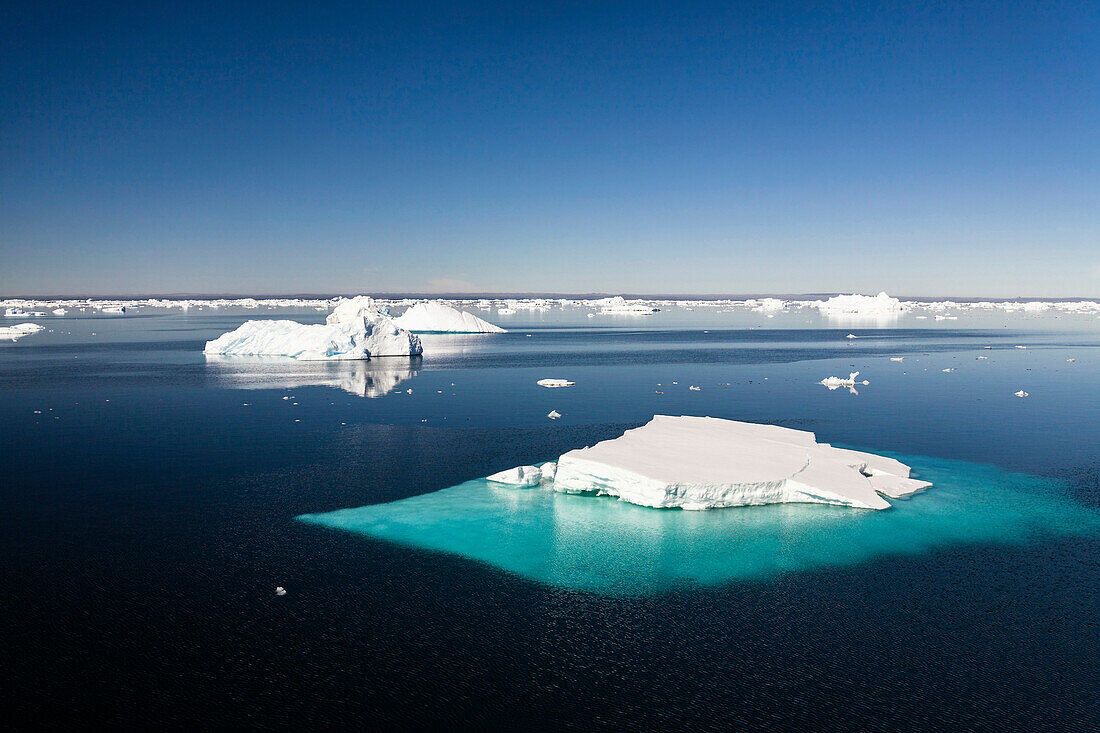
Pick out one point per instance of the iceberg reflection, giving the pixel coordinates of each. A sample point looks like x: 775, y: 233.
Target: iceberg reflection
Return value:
x: 373, y: 378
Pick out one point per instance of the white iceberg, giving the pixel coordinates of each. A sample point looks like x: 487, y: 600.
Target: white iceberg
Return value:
x: 553, y: 414
x: 705, y: 463
x: 861, y: 305
x: 553, y: 383
x: 620, y: 306
x: 18, y: 331
x: 439, y: 318
x: 518, y: 476
x: 836, y: 382
x: 355, y: 329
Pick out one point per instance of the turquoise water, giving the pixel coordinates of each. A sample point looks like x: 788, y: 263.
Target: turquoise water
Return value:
x: 603, y: 545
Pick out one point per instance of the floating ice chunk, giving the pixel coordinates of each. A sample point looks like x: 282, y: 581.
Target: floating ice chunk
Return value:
x: 851, y: 336
x: 704, y: 463
x: 518, y: 476
x: 549, y: 470
x: 354, y: 330
x: 861, y: 305
x: 553, y: 415
x: 835, y: 382
x: 1021, y: 347
x: 280, y: 591
x: 439, y: 318
x: 1071, y: 360
x: 1021, y: 393
x: 59, y: 311
x: 897, y: 358
x: 552, y: 383
x: 618, y: 305
x: 693, y: 388
x: 18, y: 331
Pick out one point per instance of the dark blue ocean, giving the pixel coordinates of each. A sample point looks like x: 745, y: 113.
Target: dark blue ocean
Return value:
x: 152, y: 502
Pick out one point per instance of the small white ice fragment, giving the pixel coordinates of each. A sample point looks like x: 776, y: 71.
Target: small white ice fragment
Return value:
x: 897, y: 358
x: 280, y: 591
x: 693, y: 388
x: 851, y: 336
x: 555, y: 383
x: 1021, y: 347
x: 1021, y: 393
x: 553, y: 415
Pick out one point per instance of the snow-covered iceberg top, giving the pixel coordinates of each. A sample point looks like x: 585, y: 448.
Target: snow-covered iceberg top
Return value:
x: 435, y: 317
x: 704, y: 463
x: 356, y: 329
x: 861, y: 305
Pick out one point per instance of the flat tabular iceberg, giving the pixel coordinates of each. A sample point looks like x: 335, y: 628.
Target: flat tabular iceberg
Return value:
x: 18, y: 331
x: 861, y: 305
x: 439, y: 318
x: 705, y: 463
x: 355, y: 329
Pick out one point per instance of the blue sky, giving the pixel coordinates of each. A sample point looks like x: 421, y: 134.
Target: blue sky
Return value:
x: 920, y: 148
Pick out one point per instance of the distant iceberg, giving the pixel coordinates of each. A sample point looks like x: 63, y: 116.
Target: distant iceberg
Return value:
x: 435, y: 317
x: 18, y: 331
x: 861, y: 305
x: 618, y: 305
x: 356, y: 329
x: 705, y: 463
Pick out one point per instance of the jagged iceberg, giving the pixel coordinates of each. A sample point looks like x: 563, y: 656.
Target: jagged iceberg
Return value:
x: 434, y: 317
x: 705, y: 463
x: 355, y: 329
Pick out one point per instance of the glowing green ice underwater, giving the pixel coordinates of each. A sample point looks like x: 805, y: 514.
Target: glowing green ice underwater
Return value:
x: 601, y: 544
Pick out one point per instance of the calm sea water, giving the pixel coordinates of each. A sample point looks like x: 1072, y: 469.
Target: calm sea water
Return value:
x: 151, y: 495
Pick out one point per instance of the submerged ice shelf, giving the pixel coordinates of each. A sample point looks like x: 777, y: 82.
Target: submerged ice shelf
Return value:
x: 606, y: 546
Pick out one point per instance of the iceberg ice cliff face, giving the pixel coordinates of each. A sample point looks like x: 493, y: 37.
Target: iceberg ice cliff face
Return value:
x: 355, y: 329
x: 705, y: 463
x: 434, y: 317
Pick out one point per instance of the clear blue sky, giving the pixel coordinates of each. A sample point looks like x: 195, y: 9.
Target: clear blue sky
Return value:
x: 921, y: 148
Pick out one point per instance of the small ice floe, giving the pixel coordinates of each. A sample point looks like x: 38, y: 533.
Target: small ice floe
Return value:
x: 948, y: 369
x: 897, y: 358
x: 981, y: 357
x: 1021, y: 393
x: 552, y: 383
x: 1021, y: 347
x: 59, y: 311
x: 693, y: 388
x: 836, y: 382
x: 518, y: 476
x: 1071, y: 360
x: 280, y: 591
x: 409, y: 390
x: 553, y: 415
x: 851, y: 336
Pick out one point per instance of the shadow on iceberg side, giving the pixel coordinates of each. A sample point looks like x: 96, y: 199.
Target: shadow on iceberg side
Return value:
x: 374, y: 378
x: 602, y: 545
